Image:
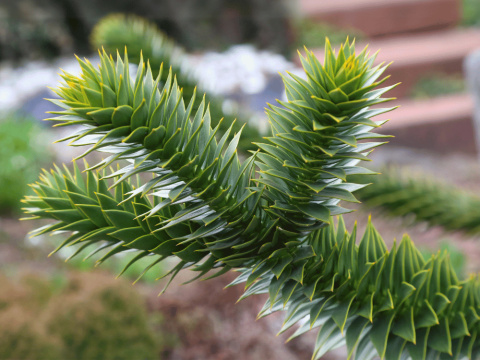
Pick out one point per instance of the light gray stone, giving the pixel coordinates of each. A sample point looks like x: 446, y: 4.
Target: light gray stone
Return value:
x: 472, y: 74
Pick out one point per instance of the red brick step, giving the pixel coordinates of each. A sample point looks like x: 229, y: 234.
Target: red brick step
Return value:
x: 384, y: 17
x: 441, y: 124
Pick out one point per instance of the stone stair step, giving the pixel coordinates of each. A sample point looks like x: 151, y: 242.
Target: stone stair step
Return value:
x: 441, y: 124
x: 384, y: 17
x: 417, y: 56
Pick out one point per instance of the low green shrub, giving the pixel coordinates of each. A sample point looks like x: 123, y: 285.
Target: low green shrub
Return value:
x: 22, y: 338
x: 98, y: 319
x: 435, y: 85
x: 91, y: 317
x: 22, y: 154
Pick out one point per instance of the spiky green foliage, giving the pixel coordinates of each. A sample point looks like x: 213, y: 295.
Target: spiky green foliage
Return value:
x: 424, y: 199
x: 317, y: 138
x: 141, y: 37
x: 269, y: 217
x: 103, y: 222
x: 372, y: 299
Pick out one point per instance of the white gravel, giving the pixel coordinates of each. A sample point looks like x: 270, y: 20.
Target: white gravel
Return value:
x: 241, y: 68
x: 19, y: 83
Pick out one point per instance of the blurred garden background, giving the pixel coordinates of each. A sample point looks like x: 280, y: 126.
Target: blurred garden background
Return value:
x: 234, y: 50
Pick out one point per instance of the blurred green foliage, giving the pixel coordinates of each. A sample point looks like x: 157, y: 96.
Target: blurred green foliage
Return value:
x: 312, y: 34
x: 435, y: 85
x: 23, y: 150
x: 90, y: 317
x: 471, y: 13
